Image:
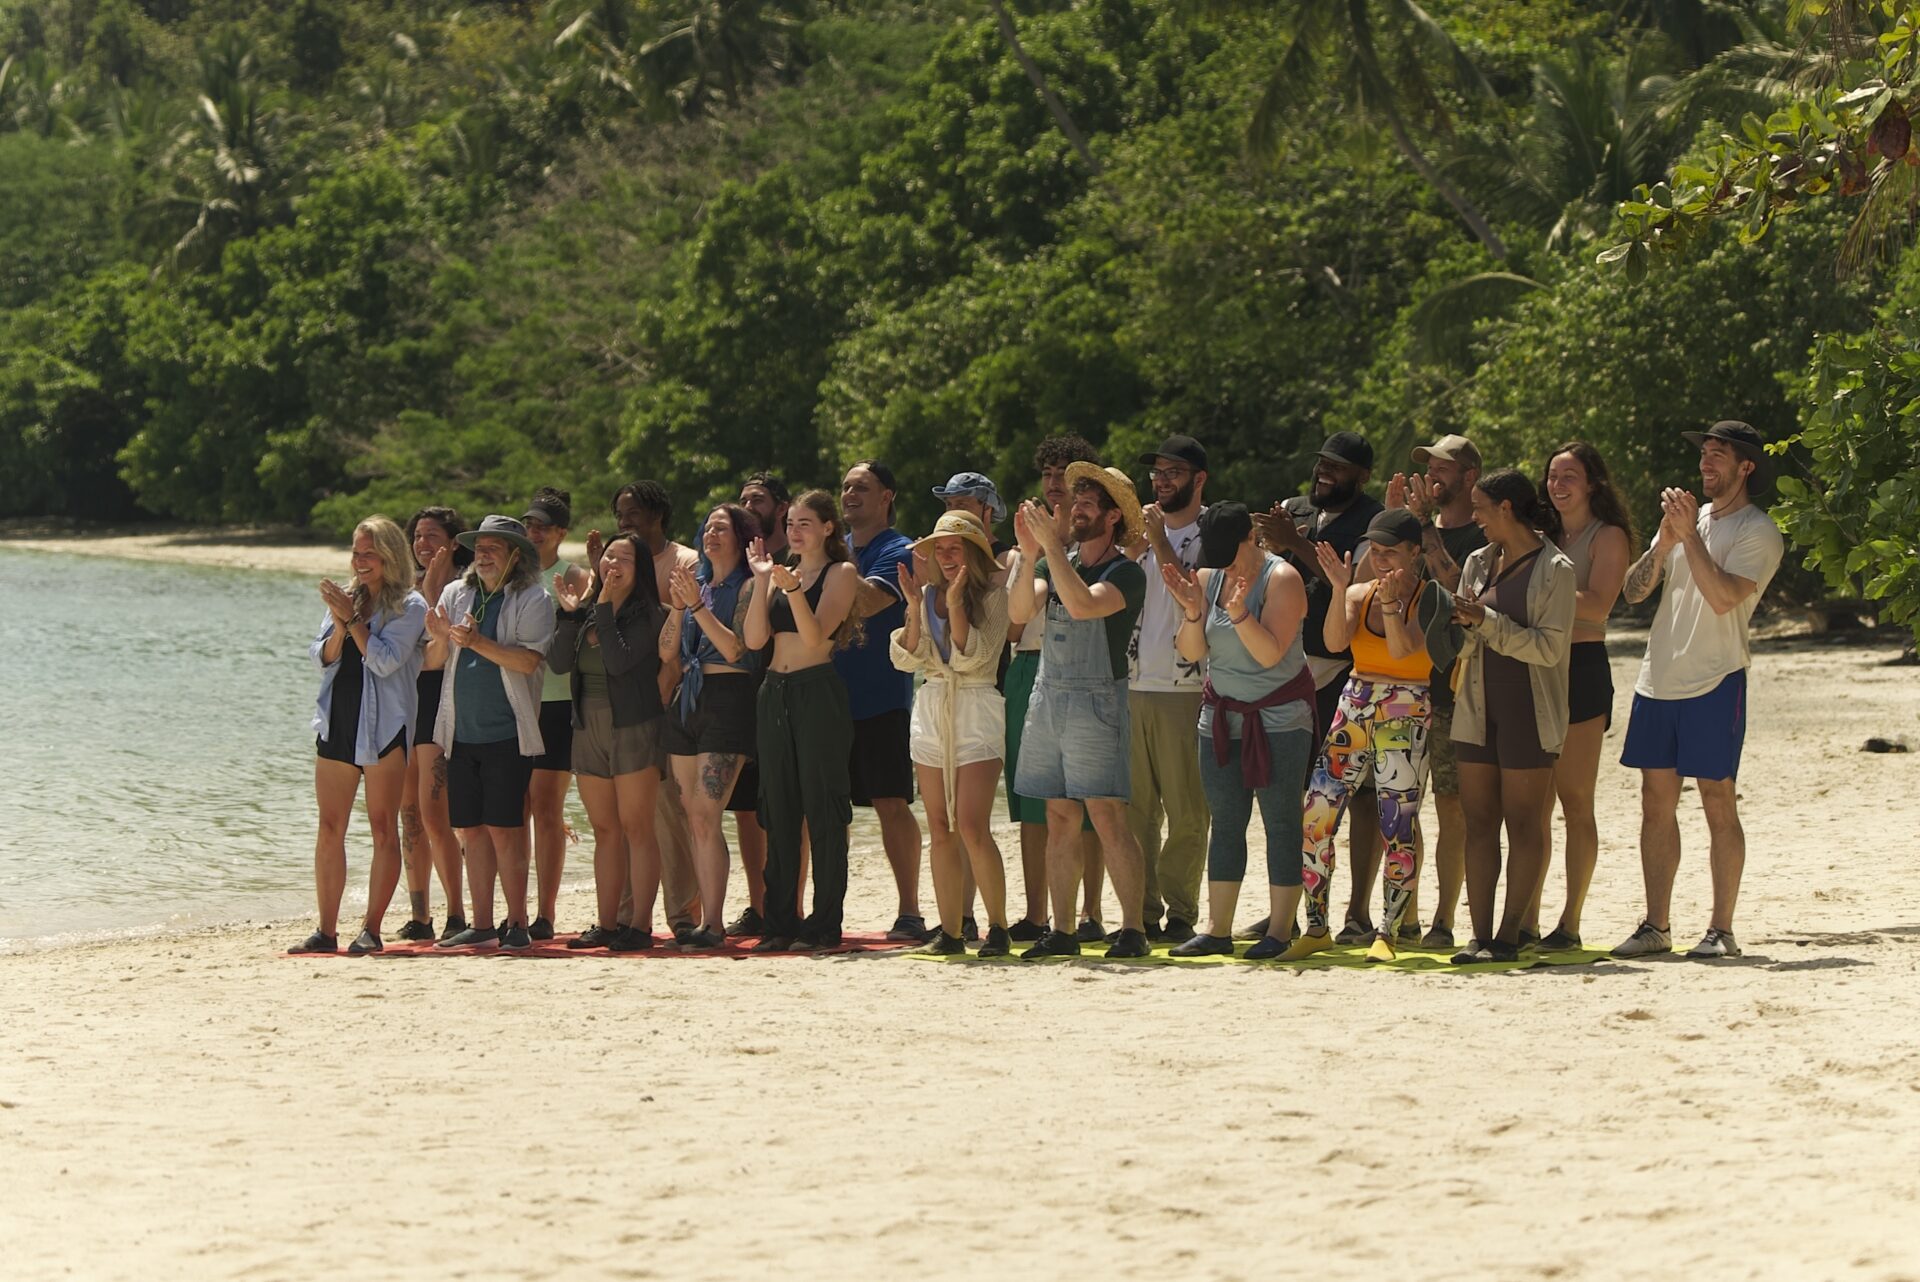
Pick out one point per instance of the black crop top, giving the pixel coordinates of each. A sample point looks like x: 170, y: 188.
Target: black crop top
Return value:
x: 780, y: 611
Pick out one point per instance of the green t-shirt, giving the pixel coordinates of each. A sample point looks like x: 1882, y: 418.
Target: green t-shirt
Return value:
x: 1126, y: 575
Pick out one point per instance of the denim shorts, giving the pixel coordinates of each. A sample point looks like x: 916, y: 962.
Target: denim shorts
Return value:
x: 1076, y: 741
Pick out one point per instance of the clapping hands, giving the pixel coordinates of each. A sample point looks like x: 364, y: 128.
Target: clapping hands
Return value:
x: 1184, y: 585
x: 567, y: 597
x: 339, y: 602
x: 1336, y: 568
x: 683, y: 590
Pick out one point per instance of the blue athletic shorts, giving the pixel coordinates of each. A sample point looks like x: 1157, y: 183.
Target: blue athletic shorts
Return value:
x: 1698, y: 738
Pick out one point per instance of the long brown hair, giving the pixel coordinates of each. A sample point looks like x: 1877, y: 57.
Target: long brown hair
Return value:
x: 821, y: 504
x: 1608, y: 507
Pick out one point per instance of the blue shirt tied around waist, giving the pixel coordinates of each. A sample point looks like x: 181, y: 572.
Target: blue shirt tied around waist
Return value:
x: 697, y: 649
x: 388, y: 694
x: 874, y: 685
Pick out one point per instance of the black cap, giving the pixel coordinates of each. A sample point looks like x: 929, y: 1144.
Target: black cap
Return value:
x: 1746, y: 442
x: 1184, y: 448
x: 1223, y: 528
x: 1395, y: 525
x: 550, y: 510
x: 1348, y: 447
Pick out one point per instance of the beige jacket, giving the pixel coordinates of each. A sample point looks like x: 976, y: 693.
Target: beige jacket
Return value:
x: 1544, y: 647
x: 969, y: 668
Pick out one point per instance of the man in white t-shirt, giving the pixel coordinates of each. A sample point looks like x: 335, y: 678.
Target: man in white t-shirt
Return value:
x: 1163, y: 699
x: 1689, y: 715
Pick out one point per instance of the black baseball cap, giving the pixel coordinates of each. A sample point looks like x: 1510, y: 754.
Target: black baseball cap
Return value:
x: 549, y: 509
x: 1394, y: 525
x: 1348, y: 447
x: 1184, y: 448
x: 1746, y: 442
x: 1223, y: 528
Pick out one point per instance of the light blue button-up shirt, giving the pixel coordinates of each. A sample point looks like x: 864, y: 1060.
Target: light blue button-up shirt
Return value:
x: 389, y: 694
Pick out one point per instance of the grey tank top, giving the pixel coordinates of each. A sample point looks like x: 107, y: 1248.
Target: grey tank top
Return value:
x: 1236, y: 674
x: 1579, y: 550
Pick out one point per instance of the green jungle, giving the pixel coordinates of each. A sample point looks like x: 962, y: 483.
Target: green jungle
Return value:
x: 297, y: 263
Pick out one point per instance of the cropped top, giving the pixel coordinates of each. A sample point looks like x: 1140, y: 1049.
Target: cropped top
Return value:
x: 780, y: 610
x: 1374, y: 656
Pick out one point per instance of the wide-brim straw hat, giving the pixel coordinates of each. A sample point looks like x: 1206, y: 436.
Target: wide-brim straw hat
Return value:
x: 957, y: 525
x: 1119, y: 488
x: 500, y: 527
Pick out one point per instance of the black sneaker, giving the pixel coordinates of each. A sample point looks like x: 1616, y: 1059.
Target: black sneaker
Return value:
x: 1090, y: 932
x: 1265, y: 948
x: 516, y: 937
x: 367, y: 942
x: 747, y: 923
x: 316, y: 943
x: 703, y: 940
x: 455, y: 924
x: 683, y: 931
x: 1477, y: 950
x: 1203, y: 946
x: 417, y: 932
x: 631, y: 940
x: 1501, y: 951
x: 593, y: 937
x: 943, y: 945
x: 1178, y: 930
x: 970, y: 930
x: 809, y: 942
x: 1025, y: 932
x: 471, y: 938
x: 541, y: 929
x: 1559, y: 940
x: 1356, y: 931
x: 1255, y: 931
x: 1055, y: 943
x: 1130, y: 943
x: 773, y: 944
x: 998, y: 943
x: 909, y: 929
x: 1151, y: 929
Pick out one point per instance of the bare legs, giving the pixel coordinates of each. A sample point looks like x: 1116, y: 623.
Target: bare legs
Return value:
x: 900, y: 834
x: 429, y: 769
x: 1660, y: 844
x: 636, y: 795
x: 706, y: 781
x: 1492, y: 796
x: 334, y: 786
x: 497, y: 852
x: 609, y: 849
x: 963, y: 844
x: 1574, y: 778
x: 547, y: 813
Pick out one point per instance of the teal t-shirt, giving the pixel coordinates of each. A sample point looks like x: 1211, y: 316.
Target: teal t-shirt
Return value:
x: 481, y: 713
x: 1131, y: 580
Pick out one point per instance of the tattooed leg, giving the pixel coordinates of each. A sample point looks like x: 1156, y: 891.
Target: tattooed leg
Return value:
x: 716, y: 774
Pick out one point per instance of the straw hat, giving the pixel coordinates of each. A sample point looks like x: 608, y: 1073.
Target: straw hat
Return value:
x: 957, y: 525
x: 1111, y: 479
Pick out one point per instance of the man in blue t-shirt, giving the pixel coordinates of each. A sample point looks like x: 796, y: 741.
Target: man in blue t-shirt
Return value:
x: 879, y: 695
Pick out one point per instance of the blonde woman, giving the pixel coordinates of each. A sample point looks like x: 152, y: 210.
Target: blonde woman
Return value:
x: 368, y: 654
x: 955, y: 631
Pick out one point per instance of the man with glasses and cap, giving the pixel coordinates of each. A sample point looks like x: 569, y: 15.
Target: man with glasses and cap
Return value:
x: 1689, y: 718
x: 1163, y: 698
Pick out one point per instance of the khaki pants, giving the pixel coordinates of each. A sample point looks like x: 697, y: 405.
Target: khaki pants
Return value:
x: 1166, y: 782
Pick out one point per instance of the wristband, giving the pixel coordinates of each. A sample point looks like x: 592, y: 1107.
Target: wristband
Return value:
x: 1242, y: 619
x: 1192, y: 618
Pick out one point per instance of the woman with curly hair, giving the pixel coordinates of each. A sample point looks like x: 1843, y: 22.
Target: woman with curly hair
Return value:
x: 368, y: 654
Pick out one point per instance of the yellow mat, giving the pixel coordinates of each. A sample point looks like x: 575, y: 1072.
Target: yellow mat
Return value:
x: 1351, y: 956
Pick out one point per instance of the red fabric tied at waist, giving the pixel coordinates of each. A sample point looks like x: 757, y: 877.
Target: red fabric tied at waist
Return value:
x: 1256, y: 756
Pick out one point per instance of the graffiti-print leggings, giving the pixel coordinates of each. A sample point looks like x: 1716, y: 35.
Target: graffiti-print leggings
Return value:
x: 1380, y: 726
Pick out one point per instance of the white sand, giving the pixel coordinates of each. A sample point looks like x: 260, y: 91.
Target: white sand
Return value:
x: 201, y: 1107
x: 240, y: 547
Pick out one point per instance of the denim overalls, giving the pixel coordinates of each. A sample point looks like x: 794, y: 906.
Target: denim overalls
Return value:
x: 1076, y: 740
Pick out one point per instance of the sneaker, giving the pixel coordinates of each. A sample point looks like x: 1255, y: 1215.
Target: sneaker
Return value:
x: 1715, y: 943
x: 417, y: 932
x: 969, y: 930
x: 909, y: 928
x: 1501, y: 951
x: 316, y: 943
x: 455, y: 924
x: 517, y: 937
x: 1381, y: 950
x: 541, y: 929
x: 810, y: 942
x: 998, y: 943
x: 703, y: 940
x: 1306, y: 946
x: 1150, y: 928
x: 1476, y: 951
x: 594, y: 937
x: 1409, y: 933
x: 1528, y: 939
x: 773, y: 944
x: 682, y: 931
x: 631, y: 940
x: 1202, y: 946
x: 943, y: 945
x: 1265, y: 948
x: 471, y: 938
x: 1559, y: 941
x: 1178, y: 930
x: 1255, y: 931
x: 1645, y: 941
x: 1055, y: 943
x: 1025, y: 932
x: 748, y: 922
x: 1090, y: 932
x: 1130, y: 943
x: 1439, y: 938
x: 367, y: 942
x: 1355, y: 931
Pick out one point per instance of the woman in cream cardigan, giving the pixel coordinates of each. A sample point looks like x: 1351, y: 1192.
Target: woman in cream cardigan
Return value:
x: 1516, y: 600
x: 955, y: 630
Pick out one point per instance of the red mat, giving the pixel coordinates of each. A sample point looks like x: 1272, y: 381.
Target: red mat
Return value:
x: 664, y: 947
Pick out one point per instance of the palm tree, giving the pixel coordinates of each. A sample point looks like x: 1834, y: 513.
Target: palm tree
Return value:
x: 717, y: 48
x: 1057, y: 109
x: 1389, y: 60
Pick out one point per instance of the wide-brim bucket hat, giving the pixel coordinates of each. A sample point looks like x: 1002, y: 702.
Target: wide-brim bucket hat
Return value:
x: 499, y: 527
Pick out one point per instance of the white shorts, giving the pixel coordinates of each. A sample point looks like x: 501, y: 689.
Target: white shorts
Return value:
x: 979, y: 731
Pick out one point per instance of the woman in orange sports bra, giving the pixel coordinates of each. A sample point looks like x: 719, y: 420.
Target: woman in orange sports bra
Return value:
x: 1380, y: 725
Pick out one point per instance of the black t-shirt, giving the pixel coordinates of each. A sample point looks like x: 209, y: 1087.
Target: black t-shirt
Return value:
x: 1343, y: 531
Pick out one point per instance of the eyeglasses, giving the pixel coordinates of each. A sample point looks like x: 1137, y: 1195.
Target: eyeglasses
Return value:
x: 1168, y: 473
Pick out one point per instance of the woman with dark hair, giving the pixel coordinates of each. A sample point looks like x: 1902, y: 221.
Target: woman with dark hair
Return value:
x: 424, y: 829
x: 710, y: 732
x: 1516, y: 601
x: 955, y: 631
x: 1597, y: 536
x: 368, y: 654
x: 804, y: 729
x: 610, y: 641
x: 547, y: 519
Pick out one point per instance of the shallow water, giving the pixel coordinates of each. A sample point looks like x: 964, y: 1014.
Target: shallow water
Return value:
x: 157, y: 767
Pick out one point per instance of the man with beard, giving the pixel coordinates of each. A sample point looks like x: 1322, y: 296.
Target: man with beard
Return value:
x: 1689, y: 716
x: 767, y: 498
x: 1443, y: 500
x: 1163, y: 699
x: 1335, y: 511
x: 1075, y: 744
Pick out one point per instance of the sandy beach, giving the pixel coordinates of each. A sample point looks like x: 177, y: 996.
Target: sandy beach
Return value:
x: 200, y: 1105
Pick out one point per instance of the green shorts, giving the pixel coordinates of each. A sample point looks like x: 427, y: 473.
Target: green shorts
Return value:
x: 1442, y: 769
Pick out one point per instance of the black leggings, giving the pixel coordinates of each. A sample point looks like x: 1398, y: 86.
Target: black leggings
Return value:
x: 805, y: 736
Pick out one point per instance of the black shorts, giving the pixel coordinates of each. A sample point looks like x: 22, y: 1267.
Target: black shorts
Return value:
x: 343, y: 750
x: 426, y: 716
x: 881, y: 764
x: 746, y: 791
x: 1589, y: 683
x: 556, y: 732
x: 722, y: 720
x: 487, y: 784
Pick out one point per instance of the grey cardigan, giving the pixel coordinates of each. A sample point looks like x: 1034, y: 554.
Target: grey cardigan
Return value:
x: 1544, y: 647
x: 526, y: 620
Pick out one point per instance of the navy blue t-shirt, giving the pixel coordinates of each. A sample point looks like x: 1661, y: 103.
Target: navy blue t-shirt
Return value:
x: 874, y: 685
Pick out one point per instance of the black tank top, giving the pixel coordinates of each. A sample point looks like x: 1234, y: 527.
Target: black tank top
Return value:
x: 780, y: 610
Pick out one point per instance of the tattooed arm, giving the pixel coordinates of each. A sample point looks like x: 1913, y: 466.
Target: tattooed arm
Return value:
x: 1644, y: 575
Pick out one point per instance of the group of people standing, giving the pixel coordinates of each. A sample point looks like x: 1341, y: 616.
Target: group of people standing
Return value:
x: 1142, y: 673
